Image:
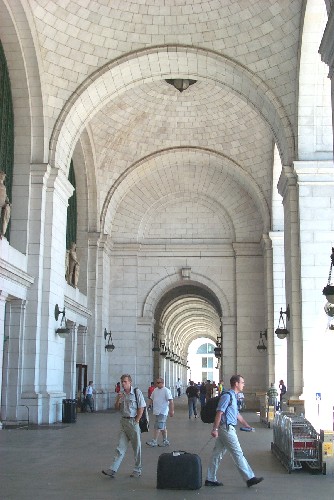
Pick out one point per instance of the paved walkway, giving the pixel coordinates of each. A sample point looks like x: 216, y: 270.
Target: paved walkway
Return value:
x: 63, y: 462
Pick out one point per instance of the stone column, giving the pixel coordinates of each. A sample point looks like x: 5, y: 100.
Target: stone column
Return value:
x: 70, y: 357
x: 3, y: 298
x: 11, y: 384
x: 316, y: 202
x: 269, y: 307
x: 42, y: 387
x: 280, y: 345
x: 287, y: 187
x: 229, y: 347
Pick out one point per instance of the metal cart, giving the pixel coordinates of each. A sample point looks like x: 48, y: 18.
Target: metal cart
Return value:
x: 296, y: 442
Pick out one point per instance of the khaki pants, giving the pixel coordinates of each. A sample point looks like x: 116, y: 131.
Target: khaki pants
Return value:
x: 130, y: 432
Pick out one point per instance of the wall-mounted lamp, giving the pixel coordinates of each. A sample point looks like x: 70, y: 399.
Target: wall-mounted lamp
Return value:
x: 282, y: 331
x: 62, y: 331
x: 181, y: 84
x: 261, y: 345
x: 218, y: 350
x: 155, y: 341
x: 328, y: 291
x: 109, y: 345
x: 163, y: 352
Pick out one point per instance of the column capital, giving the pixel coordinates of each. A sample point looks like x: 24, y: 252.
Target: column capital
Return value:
x: 288, y: 179
x: 266, y: 242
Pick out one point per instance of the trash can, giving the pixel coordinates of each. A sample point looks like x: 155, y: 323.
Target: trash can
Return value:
x: 69, y: 411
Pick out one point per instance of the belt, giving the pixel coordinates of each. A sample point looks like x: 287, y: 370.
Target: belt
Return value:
x: 128, y: 417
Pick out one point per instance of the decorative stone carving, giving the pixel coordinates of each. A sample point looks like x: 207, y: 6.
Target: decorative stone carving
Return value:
x: 72, y: 266
x: 5, y: 205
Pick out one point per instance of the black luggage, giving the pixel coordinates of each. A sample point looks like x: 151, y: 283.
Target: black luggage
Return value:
x: 179, y: 470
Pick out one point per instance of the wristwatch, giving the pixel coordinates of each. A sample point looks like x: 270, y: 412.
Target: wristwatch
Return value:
x: 215, y: 429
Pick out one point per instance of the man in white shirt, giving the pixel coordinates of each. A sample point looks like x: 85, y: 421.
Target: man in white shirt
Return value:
x: 163, y: 403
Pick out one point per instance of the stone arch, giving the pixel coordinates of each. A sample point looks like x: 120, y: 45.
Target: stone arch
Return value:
x: 231, y: 168
x: 174, y: 280
x: 136, y: 68
x: 222, y: 215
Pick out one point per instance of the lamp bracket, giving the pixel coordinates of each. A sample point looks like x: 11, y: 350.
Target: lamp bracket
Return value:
x: 58, y: 312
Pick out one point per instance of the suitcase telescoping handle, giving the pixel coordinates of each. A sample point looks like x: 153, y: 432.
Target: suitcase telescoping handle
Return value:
x: 178, y: 453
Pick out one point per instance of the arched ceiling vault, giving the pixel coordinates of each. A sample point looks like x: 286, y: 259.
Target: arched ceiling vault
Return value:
x: 181, y: 318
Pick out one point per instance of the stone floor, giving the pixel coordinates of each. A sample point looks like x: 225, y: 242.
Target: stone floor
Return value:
x: 64, y: 462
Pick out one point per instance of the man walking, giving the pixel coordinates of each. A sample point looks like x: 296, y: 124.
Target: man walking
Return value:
x: 224, y: 430
x: 131, y: 403
x: 162, y: 404
x: 192, y: 393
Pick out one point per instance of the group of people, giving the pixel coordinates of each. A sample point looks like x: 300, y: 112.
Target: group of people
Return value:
x: 272, y: 394
x: 131, y: 403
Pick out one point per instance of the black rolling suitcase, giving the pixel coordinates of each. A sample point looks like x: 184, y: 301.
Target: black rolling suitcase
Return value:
x: 179, y: 470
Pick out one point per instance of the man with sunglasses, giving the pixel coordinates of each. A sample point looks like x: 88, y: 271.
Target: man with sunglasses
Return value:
x: 163, y: 404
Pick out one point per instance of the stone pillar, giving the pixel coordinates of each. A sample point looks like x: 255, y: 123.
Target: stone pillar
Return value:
x: 280, y: 345
x: 269, y: 307
x: 3, y: 346
x: 229, y: 347
x: 12, y: 370
x: 42, y: 387
x: 287, y: 187
x: 250, y: 314
x: 70, y: 357
x: 97, y: 359
x: 316, y: 202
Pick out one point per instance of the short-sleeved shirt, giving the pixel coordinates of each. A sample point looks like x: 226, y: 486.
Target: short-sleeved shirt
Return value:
x: 230, y: 412
x: 128, y: 405
x: 161, y: 398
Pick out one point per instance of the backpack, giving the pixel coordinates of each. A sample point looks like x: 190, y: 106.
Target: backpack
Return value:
x: 208, y: 411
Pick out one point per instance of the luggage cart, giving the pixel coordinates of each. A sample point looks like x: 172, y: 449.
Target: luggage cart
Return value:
x: 296, y: 442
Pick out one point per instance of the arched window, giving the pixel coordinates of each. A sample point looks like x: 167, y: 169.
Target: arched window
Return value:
x: 205, y: 349
x: 6, y: 128
x: 72, y: 215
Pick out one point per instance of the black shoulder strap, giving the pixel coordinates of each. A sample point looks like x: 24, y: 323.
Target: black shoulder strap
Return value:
x: 135, y: 391
x: 229, y: 393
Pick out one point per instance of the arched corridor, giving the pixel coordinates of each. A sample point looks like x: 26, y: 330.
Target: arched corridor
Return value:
x: 166, y: 175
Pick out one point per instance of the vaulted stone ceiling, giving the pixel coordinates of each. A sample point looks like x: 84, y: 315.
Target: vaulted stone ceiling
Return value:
x: 79, y: 37
x: 209, y: 147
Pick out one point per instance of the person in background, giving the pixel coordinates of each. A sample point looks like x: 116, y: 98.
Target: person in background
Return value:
x: 162, y: 405
x: 89, y: 401
x: 178, y: 387
x: 208, y: 390
x: 282, y: 388
x: 131, y: 408
x: 272, y: 395
x: 202, y: 394
x: 192, y: 393
x: 220, y: 387
x: 149, y: 394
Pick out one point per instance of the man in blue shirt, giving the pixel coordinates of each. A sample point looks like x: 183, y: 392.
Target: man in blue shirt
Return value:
x: 224, y: 429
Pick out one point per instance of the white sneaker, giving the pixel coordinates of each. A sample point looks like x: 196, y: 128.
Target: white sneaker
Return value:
x: 152, y: 443
x: 164, y: 443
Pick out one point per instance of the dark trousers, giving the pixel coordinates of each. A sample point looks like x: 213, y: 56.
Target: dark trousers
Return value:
x: 89, y: 401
